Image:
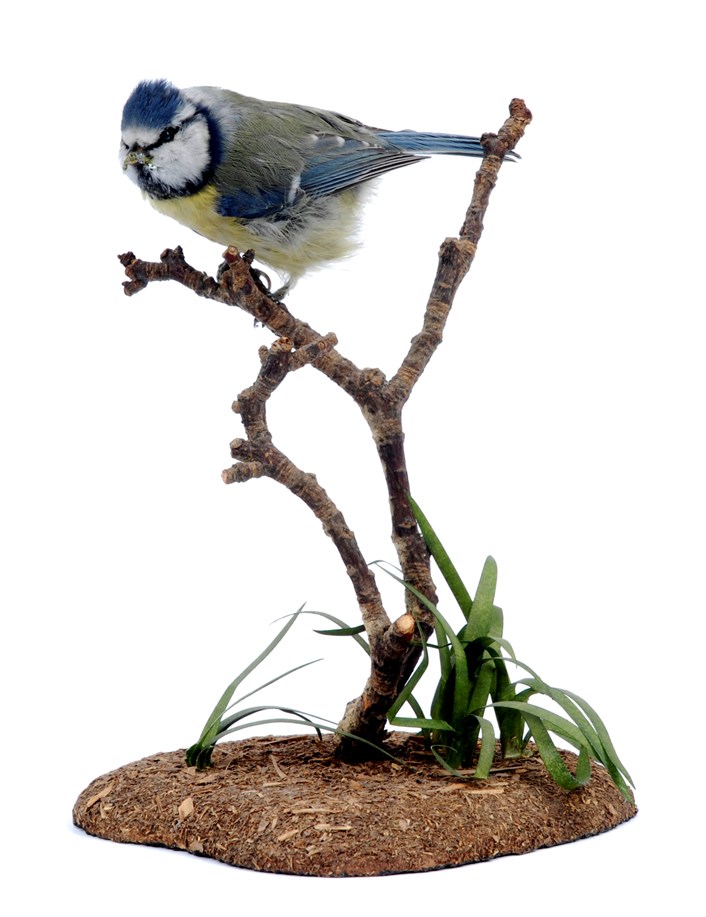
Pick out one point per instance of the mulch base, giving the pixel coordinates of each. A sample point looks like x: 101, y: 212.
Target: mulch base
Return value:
x: 286, y: 804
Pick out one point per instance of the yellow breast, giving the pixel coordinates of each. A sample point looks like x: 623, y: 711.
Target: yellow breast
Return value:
x: 198, y: 212
x: 319, y: 231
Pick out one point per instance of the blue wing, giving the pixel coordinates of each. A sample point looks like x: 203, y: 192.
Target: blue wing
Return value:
x: 333, y: 163
x: 334, y: 167
x: 249, y: 205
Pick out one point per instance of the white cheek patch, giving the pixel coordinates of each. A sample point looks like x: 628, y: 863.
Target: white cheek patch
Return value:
x: 186, y: 158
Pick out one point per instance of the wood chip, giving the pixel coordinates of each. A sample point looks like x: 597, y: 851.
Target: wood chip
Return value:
x: 186, y: 808
x: 101, y: 795
x: 312, y: 810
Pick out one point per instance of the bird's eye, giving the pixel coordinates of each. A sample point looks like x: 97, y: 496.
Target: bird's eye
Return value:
x: 168, y: 134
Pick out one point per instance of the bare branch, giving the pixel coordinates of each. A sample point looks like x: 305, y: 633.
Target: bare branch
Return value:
x: 456, y: 255
x: 258, y: 456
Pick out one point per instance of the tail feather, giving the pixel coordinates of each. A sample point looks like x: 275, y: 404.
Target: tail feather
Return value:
x: 431, y: 144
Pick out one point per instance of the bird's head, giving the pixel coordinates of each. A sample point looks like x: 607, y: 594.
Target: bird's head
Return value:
x: 167, y: 143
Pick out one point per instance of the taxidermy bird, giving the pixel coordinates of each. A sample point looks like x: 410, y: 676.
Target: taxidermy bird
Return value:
x: 285, y: 180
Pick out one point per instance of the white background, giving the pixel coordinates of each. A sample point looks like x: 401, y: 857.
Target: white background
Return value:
x: 559, y: 427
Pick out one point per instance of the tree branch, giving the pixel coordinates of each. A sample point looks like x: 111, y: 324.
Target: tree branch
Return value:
x: 259, y: 457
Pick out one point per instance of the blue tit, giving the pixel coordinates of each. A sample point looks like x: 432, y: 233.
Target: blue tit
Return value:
x: 285, y: 180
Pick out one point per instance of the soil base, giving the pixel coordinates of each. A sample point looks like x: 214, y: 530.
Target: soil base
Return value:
x: 287, y: 804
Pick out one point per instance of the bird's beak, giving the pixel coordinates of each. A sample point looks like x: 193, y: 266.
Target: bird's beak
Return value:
x: 136, y: 158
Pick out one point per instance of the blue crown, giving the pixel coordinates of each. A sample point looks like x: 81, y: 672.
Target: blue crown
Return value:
x: 153, y: 104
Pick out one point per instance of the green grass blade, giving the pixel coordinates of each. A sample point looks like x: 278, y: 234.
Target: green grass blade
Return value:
x: 553, y: 761
x: 199, y: 754
x: 568, y: 705
x: 444, y: 651
x: 602, y: 732
x: 444, y: 763
x: 229, y: 721
x: 485, y: 756
x: 462, y: 683
x: 553, y: 721
x: 406, y: 695
x: 321, y: 725
x: 482, y: 687
x: 591, y: 726
x: 492, y: 642
x: 272, y: 681
x: 605, y: 751
x: 267, y: 722
x: 522, y: 665
x: 219, y: 709
x: 496, y: 622
x: 443, y: 561
x: 422, y: 598
x: 510, y: 722
x: 583, y: 767
x: 341, y: 624
x: 487, y: 749
x: 481, y: 617
x: 342, y: 631
x: 421, y: 722
x: 415, y: 705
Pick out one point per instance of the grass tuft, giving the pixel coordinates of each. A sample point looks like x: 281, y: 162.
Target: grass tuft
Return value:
x: 474, y: 678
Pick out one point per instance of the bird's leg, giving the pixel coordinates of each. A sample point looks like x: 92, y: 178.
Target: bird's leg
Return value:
x: 261, y: 278
x: 279, y: 295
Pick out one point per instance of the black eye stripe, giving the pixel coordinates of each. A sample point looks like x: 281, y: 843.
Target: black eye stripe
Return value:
x: 166, y: 136
x: 169, y: 133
